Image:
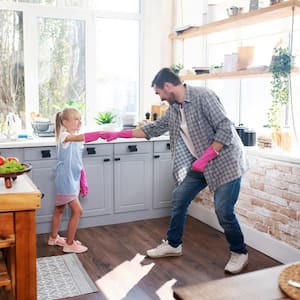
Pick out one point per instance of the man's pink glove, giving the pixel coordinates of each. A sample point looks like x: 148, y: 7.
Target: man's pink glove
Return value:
x: 200, y: 164
x: 84, y: 189
x: 92, y: 136
x: 112, y: 135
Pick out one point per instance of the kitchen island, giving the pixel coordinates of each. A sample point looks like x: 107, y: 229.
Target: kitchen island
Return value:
x: 18, y: 206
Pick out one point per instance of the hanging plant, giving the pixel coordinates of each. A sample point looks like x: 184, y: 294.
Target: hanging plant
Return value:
x: 280, y: 68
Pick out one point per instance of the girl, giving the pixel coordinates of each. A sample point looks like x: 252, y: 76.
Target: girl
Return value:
x: 69, y: 177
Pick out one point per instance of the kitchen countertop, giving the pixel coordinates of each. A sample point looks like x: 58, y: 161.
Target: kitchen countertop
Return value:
x: 273, y: 154
x: 50, y: 141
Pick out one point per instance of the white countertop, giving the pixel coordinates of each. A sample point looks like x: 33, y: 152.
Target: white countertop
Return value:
x: 50, y: 141
x: 274, y: 154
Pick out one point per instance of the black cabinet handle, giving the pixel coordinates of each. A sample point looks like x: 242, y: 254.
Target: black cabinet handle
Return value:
x: 46, y: 153
x: 106, y: 159
x: 91, y: 150
x: 156, y: 156
x: 132, y: 148
x: 117, y: 158
x: 168, y: 146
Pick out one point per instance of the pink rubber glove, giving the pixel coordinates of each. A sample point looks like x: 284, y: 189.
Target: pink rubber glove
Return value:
x: 92, y: 136
x: 112, y: 135
x: 200, y: 164
x: 84, y: 189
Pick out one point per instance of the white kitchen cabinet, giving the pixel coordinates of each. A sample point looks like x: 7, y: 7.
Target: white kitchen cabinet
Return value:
x: 163, y: 182
x: 133, y: 176
x: 43, y: 160
x: 98, y: 164
x: 126, y: 183
x: 15, y: 152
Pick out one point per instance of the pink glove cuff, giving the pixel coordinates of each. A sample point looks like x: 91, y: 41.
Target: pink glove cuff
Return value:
x: 200, y: 164
x: 210, y: 153
x: 91, y: 136
x: 84, y: 189
x: 126, y: 133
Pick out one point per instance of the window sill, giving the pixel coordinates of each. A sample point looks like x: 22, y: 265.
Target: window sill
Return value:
x: 274, y: 154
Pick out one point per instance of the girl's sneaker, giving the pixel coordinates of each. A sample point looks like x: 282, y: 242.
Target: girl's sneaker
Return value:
x: 74, y: 248
x: 58, y: 241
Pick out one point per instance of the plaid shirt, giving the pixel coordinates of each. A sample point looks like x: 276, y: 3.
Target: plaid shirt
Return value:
x: 207, y: 122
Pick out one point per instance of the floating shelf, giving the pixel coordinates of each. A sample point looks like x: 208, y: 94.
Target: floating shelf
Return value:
x: 273, y: 12
x: 234, y: 75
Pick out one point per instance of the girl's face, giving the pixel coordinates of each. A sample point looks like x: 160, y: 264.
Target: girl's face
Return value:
x: 73, y: 124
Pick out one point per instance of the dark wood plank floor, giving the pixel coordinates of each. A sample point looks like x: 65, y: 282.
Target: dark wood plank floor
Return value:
x: 116, y: 259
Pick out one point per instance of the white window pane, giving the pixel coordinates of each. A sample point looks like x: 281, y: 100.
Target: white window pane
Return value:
x: 61, y: 65
x: 117, y: 66
x: 12, y: 97
x: 52, y: 2
x: 127, y: 6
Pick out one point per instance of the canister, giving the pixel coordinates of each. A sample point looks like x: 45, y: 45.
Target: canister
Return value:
x: 250, y: 137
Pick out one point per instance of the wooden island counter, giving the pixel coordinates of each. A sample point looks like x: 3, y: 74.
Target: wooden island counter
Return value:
x: 18, y: 206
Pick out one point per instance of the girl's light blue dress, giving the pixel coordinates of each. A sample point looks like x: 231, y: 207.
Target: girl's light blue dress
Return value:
x: 67, y: 170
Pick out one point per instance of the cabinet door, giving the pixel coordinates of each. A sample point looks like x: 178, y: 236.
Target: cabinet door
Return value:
x: 99, y: 173
x: 133, y: 182
x: 43, y: 160
x: 12, y: 152
x: 42, y: 175
x: 163, y: 182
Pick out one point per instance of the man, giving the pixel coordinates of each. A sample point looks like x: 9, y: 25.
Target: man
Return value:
x: 206, y: 151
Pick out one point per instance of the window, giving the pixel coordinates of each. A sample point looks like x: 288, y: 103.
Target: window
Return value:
x: 87, y: 58
x: 12, y: 97
x: 61, y: 65
x: 117, y: 78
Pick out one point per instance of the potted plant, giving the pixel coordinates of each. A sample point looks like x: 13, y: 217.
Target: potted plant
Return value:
x: 280, y: 68
x: 106, y: 120
x: 176, y: 68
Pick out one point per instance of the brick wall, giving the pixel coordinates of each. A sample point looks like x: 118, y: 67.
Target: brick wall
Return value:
x: 269, y: 200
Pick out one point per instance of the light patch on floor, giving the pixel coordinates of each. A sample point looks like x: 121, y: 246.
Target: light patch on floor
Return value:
x: 117, y: 283
x: 165, y: 291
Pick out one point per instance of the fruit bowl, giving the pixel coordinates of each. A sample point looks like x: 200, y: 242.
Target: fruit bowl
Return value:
x: 8, y: 177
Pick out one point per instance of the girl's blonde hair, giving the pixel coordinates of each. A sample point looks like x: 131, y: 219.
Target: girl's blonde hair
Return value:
x: 65, y: 114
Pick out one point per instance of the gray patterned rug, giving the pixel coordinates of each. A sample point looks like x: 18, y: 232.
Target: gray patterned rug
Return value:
x: 61, y: 277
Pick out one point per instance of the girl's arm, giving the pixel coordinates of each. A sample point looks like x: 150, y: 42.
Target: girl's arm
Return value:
x: 74, y: 138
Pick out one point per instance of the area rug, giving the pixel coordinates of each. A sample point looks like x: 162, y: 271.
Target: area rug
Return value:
x: 61, y: 277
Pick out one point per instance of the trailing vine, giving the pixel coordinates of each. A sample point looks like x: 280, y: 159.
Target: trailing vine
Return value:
x: 281, y: 68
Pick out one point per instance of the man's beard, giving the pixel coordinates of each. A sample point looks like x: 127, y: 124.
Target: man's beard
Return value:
x: 171, y: 99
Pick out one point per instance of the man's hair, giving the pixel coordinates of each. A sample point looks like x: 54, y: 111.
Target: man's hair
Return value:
x: 165, y: 75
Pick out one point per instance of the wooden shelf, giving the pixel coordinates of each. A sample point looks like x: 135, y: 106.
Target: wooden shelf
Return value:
x: 233, y: 75
x: 274, y: 12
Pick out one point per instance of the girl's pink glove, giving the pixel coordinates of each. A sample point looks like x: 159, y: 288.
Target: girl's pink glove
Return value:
x: 200, y: 164
x: 92, y: 136
x: 84, y: 189
x: 112, y: 135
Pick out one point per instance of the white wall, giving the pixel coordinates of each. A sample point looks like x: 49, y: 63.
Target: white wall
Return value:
x: 156, y: 47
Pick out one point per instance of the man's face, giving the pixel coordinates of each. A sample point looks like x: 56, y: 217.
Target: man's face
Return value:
x: 165, y: 93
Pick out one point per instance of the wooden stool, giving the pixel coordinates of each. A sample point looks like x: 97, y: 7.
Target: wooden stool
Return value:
x: 7, y: 253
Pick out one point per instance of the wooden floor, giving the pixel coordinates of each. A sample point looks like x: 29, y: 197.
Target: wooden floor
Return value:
x: 116, y: 259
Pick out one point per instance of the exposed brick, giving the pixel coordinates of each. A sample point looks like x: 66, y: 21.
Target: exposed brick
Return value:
x: 261, y: 227
x: 294, y: 188
x: 296, y: 170
x: 269, y: 199
x: 279, y: 201
x: 288, y: 212
x: 294, y: 179
x: 284, y: 168
x: 257, y: 184
x: 291, y: 196
x: 277, y: 183
x: 273, y: 191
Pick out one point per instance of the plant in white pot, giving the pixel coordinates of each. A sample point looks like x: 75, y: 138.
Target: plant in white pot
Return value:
x: 280, y: 68
x: 106, y: 119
